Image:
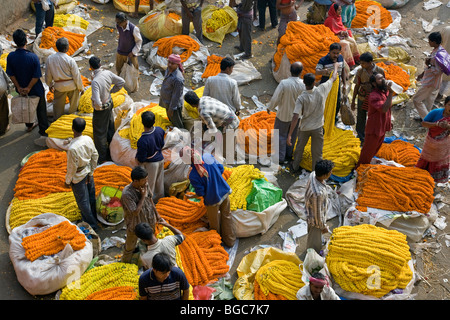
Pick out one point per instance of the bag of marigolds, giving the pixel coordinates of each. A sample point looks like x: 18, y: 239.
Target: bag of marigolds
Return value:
x: 159, y: 24
x: 128, y: 5
x: 217, y: 22
x: 48, y: 252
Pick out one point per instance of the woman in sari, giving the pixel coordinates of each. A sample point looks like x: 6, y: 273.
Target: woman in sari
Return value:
x: 435, y: 156
x: 348, y: 44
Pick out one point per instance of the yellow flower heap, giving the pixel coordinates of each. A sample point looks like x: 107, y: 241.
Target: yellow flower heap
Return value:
x: 62, y: 127
x: 339, y: 146
x: 85, y: 104
x: 240, y: 183
x: 71, y: 20
x: 115, y: 275
x: 219, y: 18
x: 369, y: 260
x: 134, y: 132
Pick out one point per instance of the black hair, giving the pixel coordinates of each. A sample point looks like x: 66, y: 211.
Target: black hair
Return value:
x: 192, y: 98
x: 447, y: 99
x: 318, y: 275
x: 309, y: 79
x: 435, y: 37
x: 143, y: 231
x: 121, y: 16
x: 161, y: 262
x: 20, y: 38
x: 62, y: 44
x: 373, y: 77
x: 336, y: 7
x: 296, y: 69
x: 335, y: 46
x: 366, y: 57
x: 226, y: 63
x: 94, y: 62
x: 78, y: 124
x: 148, y: 119
x: 323, y: 167
x: 138, y: 173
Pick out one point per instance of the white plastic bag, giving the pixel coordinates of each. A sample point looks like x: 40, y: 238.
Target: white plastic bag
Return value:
x: 46, y: 275
x: 313, y: 263
x: 131, y: 76
x: 23, y: 109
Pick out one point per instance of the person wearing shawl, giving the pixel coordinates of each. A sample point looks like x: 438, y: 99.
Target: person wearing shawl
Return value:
x: 349, y: 46
x: 435, y: 155
x: 445, y: 85
x: 317, y: 288
x: 206, y: 179
x: 348, y: 11
x: 171, y: 96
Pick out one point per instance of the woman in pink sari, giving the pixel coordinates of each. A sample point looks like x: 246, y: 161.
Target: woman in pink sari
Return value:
x: 348, y: 44
x: 435, y: 156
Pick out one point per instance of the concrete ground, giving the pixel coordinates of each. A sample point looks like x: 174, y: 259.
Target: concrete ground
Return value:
x: 16, y: 144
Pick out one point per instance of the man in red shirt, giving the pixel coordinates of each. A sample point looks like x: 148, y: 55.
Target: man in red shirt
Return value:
x: 378, y: 117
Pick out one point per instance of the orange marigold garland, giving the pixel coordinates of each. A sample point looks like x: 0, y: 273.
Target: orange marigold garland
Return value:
x: 212, y: 66
x: 394, y: 189
x: 401, y: 152
x: 306, y: 43
x: 364, y: 13
x: 396, y: 74
x: 165, y: 46
x: 51, y: 34
x: 177, y: 211
x: 251, y: 126
x: 112, y: 176
x: 53, y: 240
x: 114, y: 293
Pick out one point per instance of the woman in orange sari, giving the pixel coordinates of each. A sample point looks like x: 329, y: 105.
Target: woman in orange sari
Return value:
x: 435, y: 156
x: 348, y: 44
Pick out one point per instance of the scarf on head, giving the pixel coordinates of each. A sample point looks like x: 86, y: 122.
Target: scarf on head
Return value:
x: 318, y: 282
x: 334, y: 22
x: 174, y: 58
x: 196, y: 160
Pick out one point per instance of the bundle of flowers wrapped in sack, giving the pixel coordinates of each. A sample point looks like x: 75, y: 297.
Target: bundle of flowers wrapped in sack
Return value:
x: 129, y: 5
x: 256, y: 135
x: 166, y: 45
x: 218, y: 22
x: 114, y: 281
x: 51, y: 34
x: 305, y: 43
x: 402, y: 189
x: 71, y: 20
x: 278, y: 280
x: 134, y: 131
x: 371, y: 14
x: 62, y: 127
x: 400, y: 151
x: 202, y: 257
x: 369, y: 260
x: 85, y: 104
x: 340, y: 146
x: 158, y: 24
x: 212, y: 66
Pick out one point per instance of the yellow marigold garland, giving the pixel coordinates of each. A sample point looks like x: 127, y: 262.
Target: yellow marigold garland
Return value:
x: 240, y: 182
x: 85, y: 104
x: 62, y: 127
x: 108, y: 276
x: 72, y: 20
x: 353, y: 252
x: 53, y: 240
x: 218, y: 19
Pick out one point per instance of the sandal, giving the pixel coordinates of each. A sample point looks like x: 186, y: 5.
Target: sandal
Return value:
x: 29, y: 129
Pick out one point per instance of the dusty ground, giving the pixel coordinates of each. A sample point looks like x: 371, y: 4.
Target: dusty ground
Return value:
x: 433, y: 266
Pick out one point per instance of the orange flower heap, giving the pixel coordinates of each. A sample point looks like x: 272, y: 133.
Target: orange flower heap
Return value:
x: 367, y: 9
x: 111, y: 175
x: 394, y: 189
x: 53, y: 240
x: 51, y: 34
x: 254, y: 127
x: 114, y: 293
x: 401, y: 152
x: 306, y: 43
x: 212, y: 66
x: 165, y: 46
x: 396, y: 74
x: 177, y: 211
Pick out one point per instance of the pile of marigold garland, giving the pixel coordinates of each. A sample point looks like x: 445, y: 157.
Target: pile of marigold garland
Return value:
x: 396, y: 74
x: 51, y: 34
x: 256, y: 134
x: 368, y: 259
x: 212, y: 66
x: 85, y: 104
x: 402, y: 189
x: 62, y: 127
x: 366, y: 10
x: 165, y: 46
x: 401, y: 152
x: 313, y: 44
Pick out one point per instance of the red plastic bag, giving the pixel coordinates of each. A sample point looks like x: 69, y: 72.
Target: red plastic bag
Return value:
x: 203, y: 292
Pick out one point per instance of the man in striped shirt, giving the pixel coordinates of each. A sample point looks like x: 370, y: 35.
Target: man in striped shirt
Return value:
x: 316, y: 203
x: 163, y: 281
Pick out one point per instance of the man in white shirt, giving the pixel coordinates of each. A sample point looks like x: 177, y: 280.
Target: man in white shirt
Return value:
x: 284, y: 97
x: 102, y: 119
x: 317, y: 288
x: 130, y: 42
x: 223, y: 88
x: 154, y: 245
x: 309, y: 110
x: 81, y: 162
x: 63, y: 77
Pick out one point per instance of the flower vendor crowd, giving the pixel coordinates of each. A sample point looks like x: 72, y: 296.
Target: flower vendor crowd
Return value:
x: 181, y: 241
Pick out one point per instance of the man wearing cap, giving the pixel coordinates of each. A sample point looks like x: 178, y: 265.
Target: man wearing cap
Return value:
x: 317, y: 288
x: 171, y: 96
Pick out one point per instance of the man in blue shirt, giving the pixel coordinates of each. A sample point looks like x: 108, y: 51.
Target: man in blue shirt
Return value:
x: 149, y: 154
x: 24, y: 70
x: 163, y: 281
x: 206, y: 178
